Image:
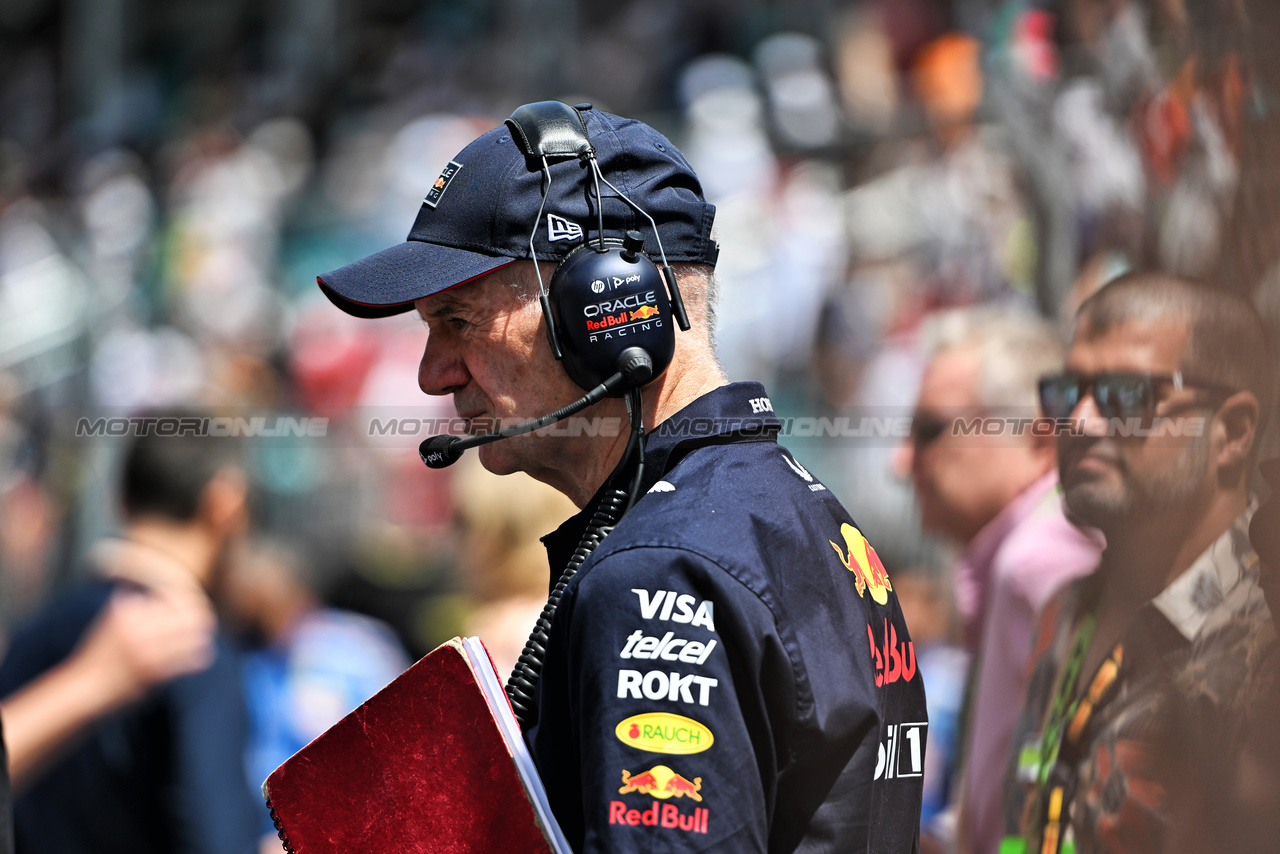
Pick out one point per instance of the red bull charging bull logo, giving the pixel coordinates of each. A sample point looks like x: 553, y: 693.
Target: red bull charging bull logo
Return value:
x: 644, y: 312
x: 661, y: 782
x: 864, y: 563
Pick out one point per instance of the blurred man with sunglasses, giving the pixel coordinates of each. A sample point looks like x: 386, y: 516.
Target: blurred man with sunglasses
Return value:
x: 995, y: 496
x: 1169, y: 383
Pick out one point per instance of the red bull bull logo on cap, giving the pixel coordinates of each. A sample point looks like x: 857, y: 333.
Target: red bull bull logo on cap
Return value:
x: 864, y: 563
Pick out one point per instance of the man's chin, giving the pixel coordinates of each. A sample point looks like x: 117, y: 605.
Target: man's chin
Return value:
x: 497, y: 459
x: 1096, y: 507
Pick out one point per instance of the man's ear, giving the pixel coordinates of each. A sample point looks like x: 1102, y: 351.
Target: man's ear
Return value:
x: 224, y: 503
x: 1235, y: 428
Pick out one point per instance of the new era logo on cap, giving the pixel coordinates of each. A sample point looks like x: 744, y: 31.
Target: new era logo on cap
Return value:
x: 559, y: 228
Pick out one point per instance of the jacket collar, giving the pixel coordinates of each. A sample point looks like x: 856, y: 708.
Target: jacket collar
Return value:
x: 735, y: 412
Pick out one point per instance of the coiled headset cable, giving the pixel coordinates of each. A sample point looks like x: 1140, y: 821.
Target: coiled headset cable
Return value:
x: 613, y: 505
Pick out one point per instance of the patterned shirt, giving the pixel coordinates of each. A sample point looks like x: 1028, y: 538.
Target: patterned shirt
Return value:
x: 1195, y: 659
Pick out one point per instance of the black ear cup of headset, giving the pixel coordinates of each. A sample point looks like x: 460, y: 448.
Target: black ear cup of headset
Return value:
x: 607, y: 297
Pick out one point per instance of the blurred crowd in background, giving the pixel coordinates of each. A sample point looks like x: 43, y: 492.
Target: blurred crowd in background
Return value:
x: 173, y: 175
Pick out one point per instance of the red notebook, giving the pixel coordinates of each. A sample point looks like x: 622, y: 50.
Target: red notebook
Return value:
x: 434, y: 762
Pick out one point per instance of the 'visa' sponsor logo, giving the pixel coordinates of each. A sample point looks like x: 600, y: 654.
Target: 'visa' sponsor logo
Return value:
x: 657, y: 685
x: 650, y: 648
x: 677, y: 607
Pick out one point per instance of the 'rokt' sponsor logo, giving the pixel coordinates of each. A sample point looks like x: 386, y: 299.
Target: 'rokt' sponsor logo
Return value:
x: 657, y: 685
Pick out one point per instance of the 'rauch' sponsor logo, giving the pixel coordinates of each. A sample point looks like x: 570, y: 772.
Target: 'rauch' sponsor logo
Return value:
x: 902, y: 751
x: 674, y: 606
x: 661, y: 685
x: 667, y: 648
x: 864, y: 563
x: 663, y: 732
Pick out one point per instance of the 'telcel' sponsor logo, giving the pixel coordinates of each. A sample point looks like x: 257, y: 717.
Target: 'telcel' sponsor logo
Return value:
x: 649, y: 648
x: 663, y: 732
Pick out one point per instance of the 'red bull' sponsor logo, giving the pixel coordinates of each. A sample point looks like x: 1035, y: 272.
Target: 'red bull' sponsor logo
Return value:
x: 663, y: 732
x: 661, y: 782
x: 864, y: 563
x: 644, y: 313
x: 607, y: 321
x: 893, y: 661
x: 660, y: 815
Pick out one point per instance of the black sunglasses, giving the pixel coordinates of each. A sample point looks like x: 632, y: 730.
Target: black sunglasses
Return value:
x: 1118, y: 395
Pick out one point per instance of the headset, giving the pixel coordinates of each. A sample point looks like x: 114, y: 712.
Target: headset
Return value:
x: 606, y: 295
x: 608, y: 307
x: 608, y: 310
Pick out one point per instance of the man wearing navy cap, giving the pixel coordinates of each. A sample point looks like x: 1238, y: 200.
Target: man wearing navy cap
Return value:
x: 728, y: 669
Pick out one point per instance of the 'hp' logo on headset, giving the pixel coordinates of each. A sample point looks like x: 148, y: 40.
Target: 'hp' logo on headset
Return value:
x: 597, y: 287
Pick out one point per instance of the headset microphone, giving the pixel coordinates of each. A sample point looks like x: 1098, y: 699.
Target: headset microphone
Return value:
x: 635, y: 368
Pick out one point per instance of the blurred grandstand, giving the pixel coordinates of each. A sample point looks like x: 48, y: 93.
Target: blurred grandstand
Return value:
x: 174, y: 174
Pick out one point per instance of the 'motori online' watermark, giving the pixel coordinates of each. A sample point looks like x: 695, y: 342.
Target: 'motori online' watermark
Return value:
x: 389, y: 427
x: 220, y: 427
x: 1159, y: 427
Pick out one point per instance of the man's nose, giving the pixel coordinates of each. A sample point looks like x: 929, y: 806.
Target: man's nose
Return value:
x: 1087, y: 415
x: 441, y: 370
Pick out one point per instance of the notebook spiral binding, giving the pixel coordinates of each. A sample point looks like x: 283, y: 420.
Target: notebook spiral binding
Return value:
x: 275, y: 819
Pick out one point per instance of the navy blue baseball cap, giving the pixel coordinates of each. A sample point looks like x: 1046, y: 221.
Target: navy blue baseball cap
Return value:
x: 480, y: 212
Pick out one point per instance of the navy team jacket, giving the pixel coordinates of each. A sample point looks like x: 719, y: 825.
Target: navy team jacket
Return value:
x: 730, y: 671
